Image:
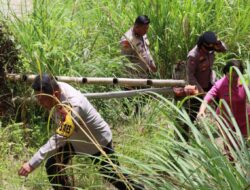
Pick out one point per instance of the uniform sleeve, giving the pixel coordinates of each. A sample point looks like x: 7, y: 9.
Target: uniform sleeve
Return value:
x: 147, y: 57
x: 125, y: 46
x: 77, y: 116
x: 220, y: 46
x: 148, y: 60
x: 52, y: 144
x: 191, y: 68
x: 152, y: 66
x: 64, y: 131
x: 212, y: 93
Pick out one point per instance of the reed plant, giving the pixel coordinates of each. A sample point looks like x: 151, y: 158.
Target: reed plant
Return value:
x: 81, y: 38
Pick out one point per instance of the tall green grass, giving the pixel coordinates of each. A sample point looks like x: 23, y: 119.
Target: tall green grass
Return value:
x: 152, y: 150
x: 82, y: 38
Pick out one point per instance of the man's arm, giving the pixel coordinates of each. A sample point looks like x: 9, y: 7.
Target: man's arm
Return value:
x: 202, y: 110
x: 152, y: 66
x: 211, y: 94
x: 220, y: 46
x: 191, y: 68
x: 126, y: 47
x: 148, y: 57
x: 52, y: 144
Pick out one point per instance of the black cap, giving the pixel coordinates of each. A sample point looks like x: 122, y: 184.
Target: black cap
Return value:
x: 142, y: 19
x: 45, y: 83
x: 208, y: 38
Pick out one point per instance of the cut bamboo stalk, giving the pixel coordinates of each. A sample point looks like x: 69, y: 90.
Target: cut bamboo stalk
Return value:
x: 105, y: 81
x: 110, y: 95
x: 130, y: 93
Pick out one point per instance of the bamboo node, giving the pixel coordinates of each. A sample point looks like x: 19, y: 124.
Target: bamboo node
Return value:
x: 24, y: 78
x: 84, y: 80
x: 115, y: 81
x: 149, y: 82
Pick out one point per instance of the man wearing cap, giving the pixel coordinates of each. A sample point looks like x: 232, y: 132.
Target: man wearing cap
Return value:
x: 135, y: 46
x: 200, y: 61
x: 81, y: 130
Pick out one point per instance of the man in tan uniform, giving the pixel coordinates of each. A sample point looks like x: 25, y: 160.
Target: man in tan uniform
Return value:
x: 199, y: 69
x: 135, y: 46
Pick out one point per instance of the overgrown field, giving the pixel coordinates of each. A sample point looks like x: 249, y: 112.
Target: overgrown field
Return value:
x: 81, y: 38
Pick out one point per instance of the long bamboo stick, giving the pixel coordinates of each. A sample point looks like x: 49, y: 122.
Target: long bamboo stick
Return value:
x: 105, y: 81
x: 110, y: 95
x: 130, y: 93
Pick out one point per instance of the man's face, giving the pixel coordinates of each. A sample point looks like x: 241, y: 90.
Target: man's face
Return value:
x: 141, y: 29
x: 209, y: 47
x: 45, y: 100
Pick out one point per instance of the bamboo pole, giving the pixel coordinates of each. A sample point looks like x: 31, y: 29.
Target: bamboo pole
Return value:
x: 110, y: 95
x: 105, y: 81
x: 130, y: 93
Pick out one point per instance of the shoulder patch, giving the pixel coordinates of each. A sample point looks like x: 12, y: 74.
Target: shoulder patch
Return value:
x: 66, y: 127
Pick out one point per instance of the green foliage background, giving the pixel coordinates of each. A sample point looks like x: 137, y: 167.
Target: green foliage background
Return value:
x: 81, y: 38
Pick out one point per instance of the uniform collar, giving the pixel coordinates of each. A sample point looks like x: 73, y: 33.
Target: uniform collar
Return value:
x: 202, y: 51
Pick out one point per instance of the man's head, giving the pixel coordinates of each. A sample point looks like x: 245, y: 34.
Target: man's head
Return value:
x: 141, y: 25
x: 207, y: 40
x: 46, y: 90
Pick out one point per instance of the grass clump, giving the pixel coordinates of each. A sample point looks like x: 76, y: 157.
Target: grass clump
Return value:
x: 81, y: 38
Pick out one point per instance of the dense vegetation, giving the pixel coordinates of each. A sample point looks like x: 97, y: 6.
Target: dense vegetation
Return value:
x: 81, y: 38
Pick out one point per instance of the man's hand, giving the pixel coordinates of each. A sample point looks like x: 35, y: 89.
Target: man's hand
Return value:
x: 125, y: 44
x: 152, y: 67
x: 201, y: 115
x: 191, y: 90
x: 188, y: 90
x: 202, y: 112
x: 179, y: 92
x: 25, y: 170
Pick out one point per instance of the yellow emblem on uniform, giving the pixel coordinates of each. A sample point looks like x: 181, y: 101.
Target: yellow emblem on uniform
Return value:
x: 66, y: 127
